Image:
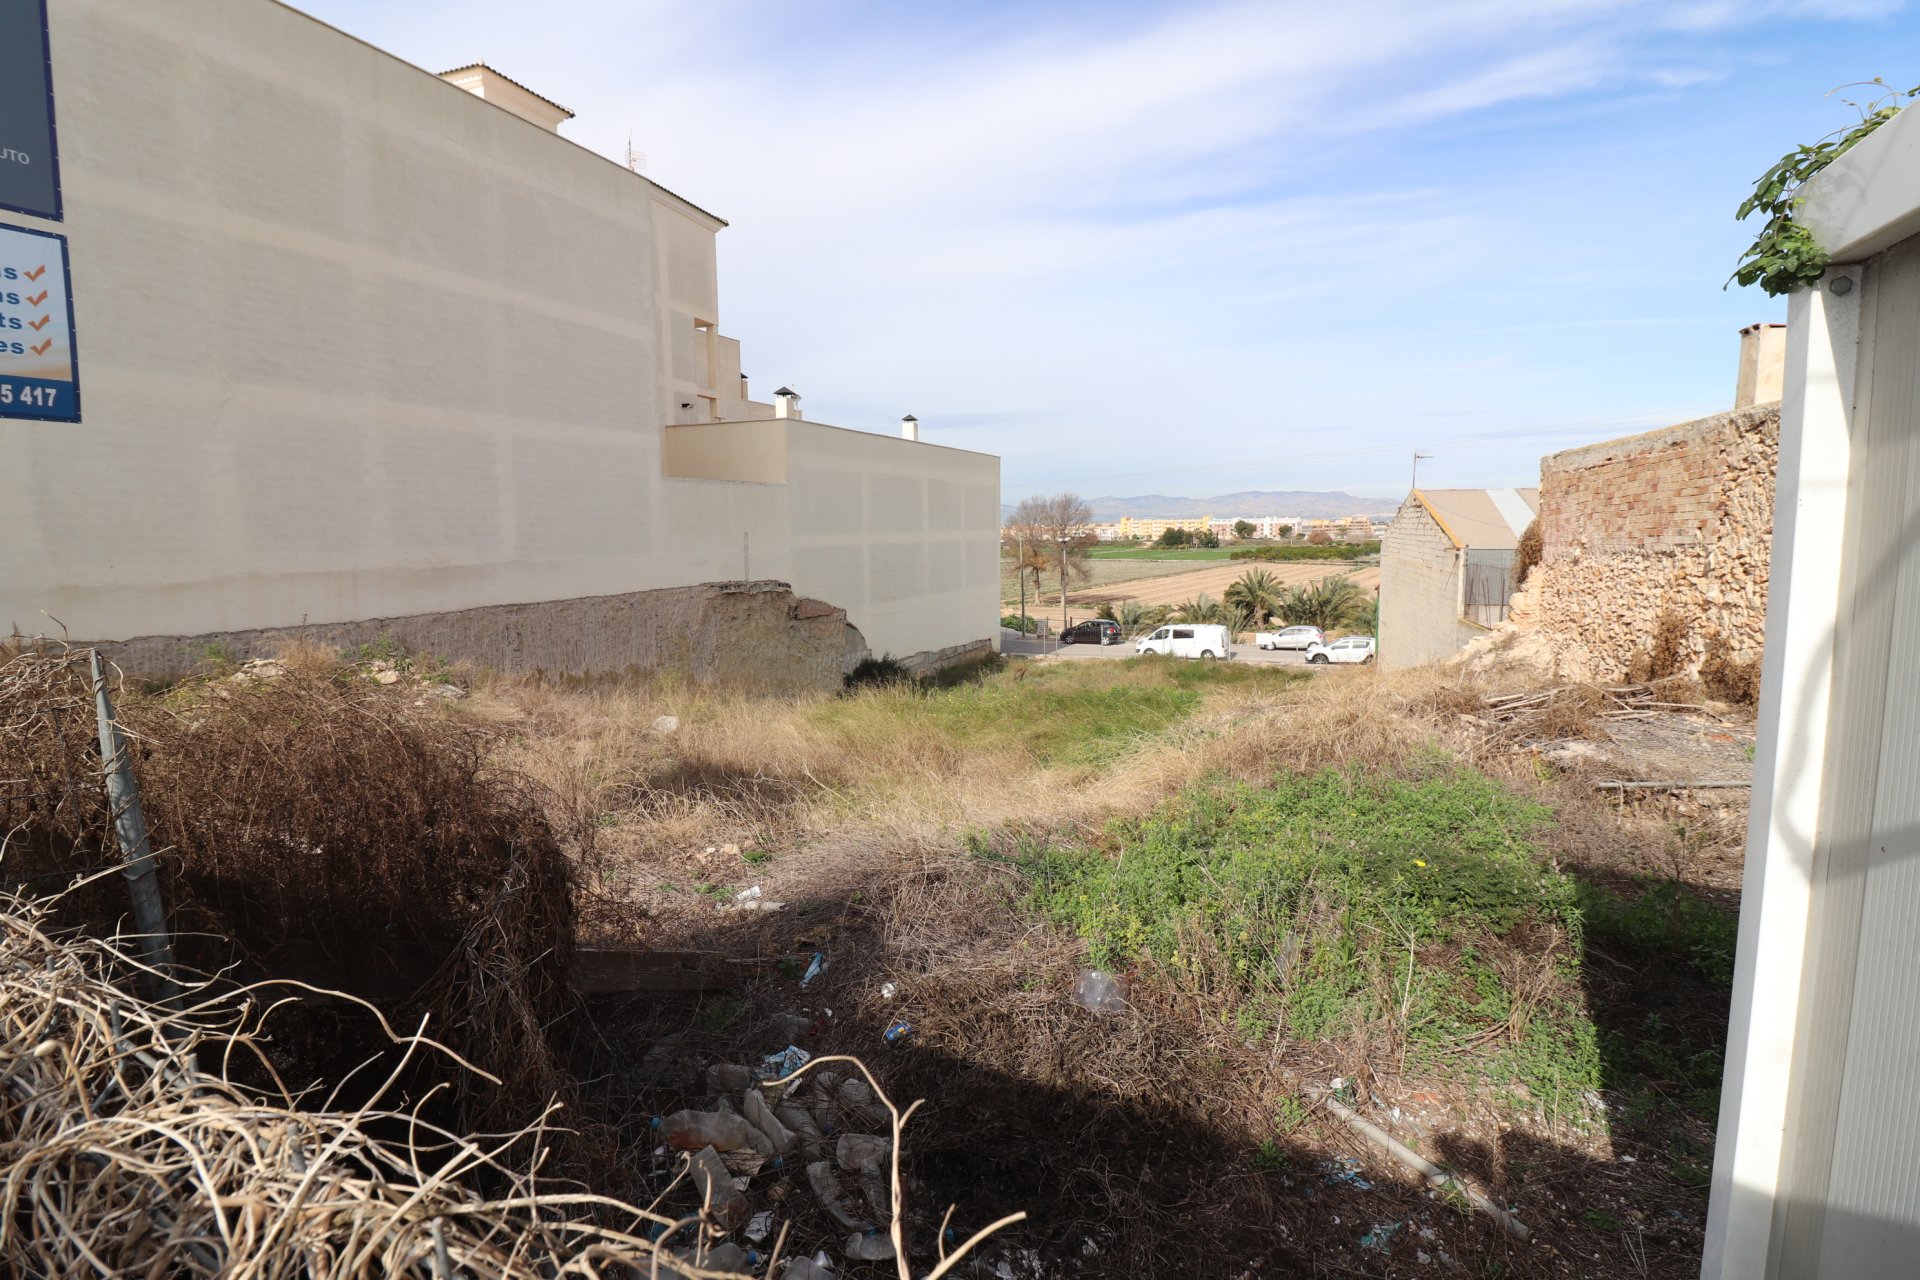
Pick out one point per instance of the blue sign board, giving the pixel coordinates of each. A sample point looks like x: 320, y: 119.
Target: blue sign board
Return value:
x: 29, y: 157
x: 39, y: 372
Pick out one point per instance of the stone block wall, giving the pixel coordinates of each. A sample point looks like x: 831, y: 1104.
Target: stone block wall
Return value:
x: 1677, y: 521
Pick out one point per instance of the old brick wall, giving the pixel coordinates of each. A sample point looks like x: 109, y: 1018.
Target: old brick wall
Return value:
x: 1677, y: 521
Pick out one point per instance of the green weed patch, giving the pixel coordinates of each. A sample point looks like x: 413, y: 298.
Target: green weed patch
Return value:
x: 1080, y: 713
x: 1323, y: 905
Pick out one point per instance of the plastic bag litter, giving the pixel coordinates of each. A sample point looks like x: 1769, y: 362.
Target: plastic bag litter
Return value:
x: 778, y: 1066
x: 1100, y: 992
x: 815, y: 969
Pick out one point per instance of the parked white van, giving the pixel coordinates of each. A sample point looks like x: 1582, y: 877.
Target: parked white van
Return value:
x: 1188, y: 640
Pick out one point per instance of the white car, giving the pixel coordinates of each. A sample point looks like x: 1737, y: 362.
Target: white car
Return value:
x: 1347, y: 649
x: 1187, y: 640
x: 1289, y: 638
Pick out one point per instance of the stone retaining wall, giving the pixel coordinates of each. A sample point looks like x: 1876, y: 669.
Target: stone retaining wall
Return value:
x: 755, y: 635
x: 1673, y: 522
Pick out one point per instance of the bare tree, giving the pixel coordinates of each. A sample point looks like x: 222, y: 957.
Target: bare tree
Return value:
x: 1041, y: 526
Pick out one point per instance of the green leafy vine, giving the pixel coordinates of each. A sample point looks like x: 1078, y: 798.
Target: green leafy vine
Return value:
x: 1784, y: 256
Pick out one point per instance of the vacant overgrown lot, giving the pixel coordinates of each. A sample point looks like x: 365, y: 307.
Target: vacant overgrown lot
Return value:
x: 1302, y: 880
x: 1348, y: 881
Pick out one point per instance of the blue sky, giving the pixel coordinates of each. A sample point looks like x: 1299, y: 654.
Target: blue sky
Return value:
x: 1201, y: 247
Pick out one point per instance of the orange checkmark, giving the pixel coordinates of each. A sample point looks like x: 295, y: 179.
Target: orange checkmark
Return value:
x: 36, y: 273
x: 42, y: 348
x: 34, y: 302
x: 41, y: 323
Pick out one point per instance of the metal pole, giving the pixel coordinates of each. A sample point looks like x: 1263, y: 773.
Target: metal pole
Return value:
x: 130, y: 828
x: 1020, y: 571
x: 1063, y: 587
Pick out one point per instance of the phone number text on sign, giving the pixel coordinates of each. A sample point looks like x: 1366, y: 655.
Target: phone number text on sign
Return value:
x: 39, y: 371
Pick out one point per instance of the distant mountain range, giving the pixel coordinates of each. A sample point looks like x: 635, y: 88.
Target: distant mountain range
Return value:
x: 1250, y: 502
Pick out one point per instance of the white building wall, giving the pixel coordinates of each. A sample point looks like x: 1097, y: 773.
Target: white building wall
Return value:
x: 904, y: 536
x: 354, y: 344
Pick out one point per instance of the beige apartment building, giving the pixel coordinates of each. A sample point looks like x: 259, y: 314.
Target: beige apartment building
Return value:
x: 369, y: 349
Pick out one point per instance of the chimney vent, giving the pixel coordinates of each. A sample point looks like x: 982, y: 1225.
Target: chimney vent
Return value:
x: 910, y: 428
x: 1763, y: 365
x: 786, y: 403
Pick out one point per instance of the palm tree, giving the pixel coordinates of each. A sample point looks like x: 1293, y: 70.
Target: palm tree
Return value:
x: 1135, y: 617
x: 1202, y: 608
x: 1257, y: 592
x: 1328, y: 603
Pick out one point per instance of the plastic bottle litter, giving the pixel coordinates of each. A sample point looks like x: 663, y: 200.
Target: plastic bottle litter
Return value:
x: 866, y: 1247
x: 1100, y: 992
x: 855, y: 1149
x: 729, y: 1206
x: 897, y: 1032
x: 815, y: 969
x: 692, y: 1130
x: 818, y: 1267
x: 760, y: 1116
x: 889, y: 990
x: 726, y: 1256
x: 728, y: 1077
x: 827, y: 1190
x: 759, y: 1227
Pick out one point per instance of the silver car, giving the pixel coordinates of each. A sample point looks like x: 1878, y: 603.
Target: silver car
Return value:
x: 1289, y: 638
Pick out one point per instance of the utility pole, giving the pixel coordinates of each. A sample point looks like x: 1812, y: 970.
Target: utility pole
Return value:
x: 1063, y: 585
x: 1415, y: 483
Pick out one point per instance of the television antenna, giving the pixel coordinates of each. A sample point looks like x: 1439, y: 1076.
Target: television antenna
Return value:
x: 636, y: 160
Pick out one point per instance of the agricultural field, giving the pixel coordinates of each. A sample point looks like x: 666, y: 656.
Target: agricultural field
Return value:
x: 1176, y: 588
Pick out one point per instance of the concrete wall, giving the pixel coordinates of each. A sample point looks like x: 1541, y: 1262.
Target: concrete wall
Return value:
x: 1676, y: 521
x: 1420, y: 591
x: 357, y: 345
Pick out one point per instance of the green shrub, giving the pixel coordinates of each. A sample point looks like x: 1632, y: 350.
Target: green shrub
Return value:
x: 1014, y: 622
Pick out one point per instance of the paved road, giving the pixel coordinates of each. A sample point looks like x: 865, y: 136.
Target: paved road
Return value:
x: 1017, y: 645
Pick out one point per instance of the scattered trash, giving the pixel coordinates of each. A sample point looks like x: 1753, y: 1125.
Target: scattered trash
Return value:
x: 869, y: 1246
x: 1345, y: 1170
x: 754, y: 1107
x: 1380, y: 1239
x: 731, y: 850
x: 746, y: 895
x: 1100, y: 992
x: 827, y: 1190
x: 814, y: 970
x: 888, y: 990
x: 715, y: 1185
x: 666, y: 724
x: 749, y: 899
x: 1422, y: 1257
x: 818, y: 1267
x: 778, y: 1066
x: 692, y: 1130
x: 898, y: 1031
x: 855, y: 1149
x: 759, y: 1227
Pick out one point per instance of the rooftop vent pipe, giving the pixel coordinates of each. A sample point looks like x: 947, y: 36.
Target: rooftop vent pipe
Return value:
x: 909, y: 428
x: 786, y: 403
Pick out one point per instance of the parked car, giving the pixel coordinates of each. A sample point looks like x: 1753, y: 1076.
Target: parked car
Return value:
x: 1187, y: 640
x: 1348, y: 649
x: 1093, y: 631
x: 1289, y: 638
